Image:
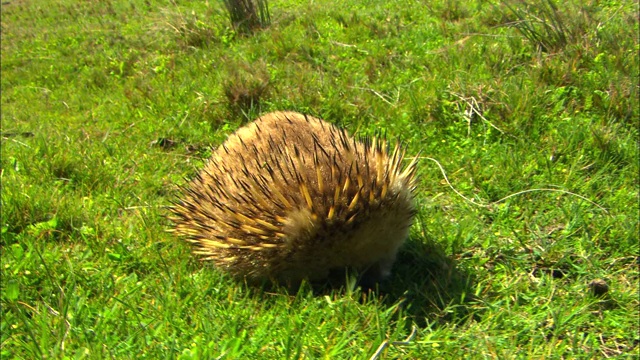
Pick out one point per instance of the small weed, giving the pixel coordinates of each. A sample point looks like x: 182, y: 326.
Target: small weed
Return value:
x: 450, y: 10
x: 545, y: 25
x: 246, y: 87
x: 248, y: 15
x: 193, y: 29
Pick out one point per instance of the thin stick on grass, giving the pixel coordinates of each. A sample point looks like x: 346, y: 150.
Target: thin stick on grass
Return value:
x: 444, y: 175
x: 381, y: 96
x: 473, y: 105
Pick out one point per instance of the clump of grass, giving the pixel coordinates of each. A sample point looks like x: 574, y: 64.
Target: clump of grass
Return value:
x: 248, y: 15
x: 246, y: 87
x: 192, y: 29
x: 450, y: 10
x: 543, y: 24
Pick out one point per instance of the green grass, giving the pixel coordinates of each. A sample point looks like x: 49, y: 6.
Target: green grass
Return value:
x: 107, y: 106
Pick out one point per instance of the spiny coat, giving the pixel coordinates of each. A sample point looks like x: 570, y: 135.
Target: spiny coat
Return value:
x: 291, y: 197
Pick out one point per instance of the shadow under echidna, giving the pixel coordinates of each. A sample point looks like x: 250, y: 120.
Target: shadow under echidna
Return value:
x: 291, y: 197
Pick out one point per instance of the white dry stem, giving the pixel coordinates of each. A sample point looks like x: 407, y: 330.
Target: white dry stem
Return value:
x: 385, y: 98
x: 473, y: 108
x: 444, y: 175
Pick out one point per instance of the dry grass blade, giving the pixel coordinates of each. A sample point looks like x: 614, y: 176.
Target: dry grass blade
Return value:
x: 446, y: 179
x: 385, y: 343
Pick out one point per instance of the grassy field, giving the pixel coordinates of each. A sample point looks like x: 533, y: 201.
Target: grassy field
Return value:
x: 107, y: 106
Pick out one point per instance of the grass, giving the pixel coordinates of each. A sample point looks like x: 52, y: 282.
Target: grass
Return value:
x: 108, y: 105
x: 248, y: 15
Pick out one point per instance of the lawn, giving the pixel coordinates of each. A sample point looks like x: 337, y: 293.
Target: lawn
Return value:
x: 109, y: 106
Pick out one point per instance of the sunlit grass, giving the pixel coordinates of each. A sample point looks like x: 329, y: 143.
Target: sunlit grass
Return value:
x: 108, y: 106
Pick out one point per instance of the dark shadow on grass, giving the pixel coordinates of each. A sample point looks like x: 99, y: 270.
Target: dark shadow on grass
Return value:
x: 429, y: 282
x: 432, y: 290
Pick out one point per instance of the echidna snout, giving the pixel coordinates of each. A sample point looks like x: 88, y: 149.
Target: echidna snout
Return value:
x: 291, y: 197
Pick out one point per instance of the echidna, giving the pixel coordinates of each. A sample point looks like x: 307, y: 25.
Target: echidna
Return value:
x: 291, y: 197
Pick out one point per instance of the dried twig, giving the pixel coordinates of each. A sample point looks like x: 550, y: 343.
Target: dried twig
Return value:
x: 381, y: 96
x: 474, y: 108
x: 444, y: 174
